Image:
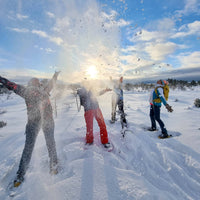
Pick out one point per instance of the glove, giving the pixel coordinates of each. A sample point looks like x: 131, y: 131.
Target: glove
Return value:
x: 56, y: 73
x: 169, y: 108
x: 108, y: 89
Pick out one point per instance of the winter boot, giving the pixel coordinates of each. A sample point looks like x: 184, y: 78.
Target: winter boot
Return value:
x: 152, y: 129
x: 125, y: 124
x: 107, y: 145
x: 112, y: 120
x: 54, y: 169
x: 87, y: 143
x: 113, y: 117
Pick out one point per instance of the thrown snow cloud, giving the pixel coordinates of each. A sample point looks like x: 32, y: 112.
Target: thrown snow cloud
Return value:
x: 90, y: 38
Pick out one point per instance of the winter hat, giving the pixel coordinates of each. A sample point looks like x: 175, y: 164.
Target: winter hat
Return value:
x: 34, y: 82
x: 164, y: 82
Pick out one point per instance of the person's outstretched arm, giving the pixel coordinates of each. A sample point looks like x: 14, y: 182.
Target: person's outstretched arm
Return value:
x: 52, y: 82
x: 18, y: 89
x: 104, y: 91
x: 168, y: 107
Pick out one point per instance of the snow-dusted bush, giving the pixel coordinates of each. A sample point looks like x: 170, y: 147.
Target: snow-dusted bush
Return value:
x: 2, y: 124
x: 197, y: 103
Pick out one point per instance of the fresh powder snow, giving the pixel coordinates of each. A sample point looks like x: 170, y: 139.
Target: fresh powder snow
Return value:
x: 141, y: 166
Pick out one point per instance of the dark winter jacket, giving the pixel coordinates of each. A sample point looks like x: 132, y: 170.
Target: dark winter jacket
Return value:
x: 87, y: 100
x: 36, y: 98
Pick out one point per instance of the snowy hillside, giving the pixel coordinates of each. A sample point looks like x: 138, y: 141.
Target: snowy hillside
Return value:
x: 140, y: 167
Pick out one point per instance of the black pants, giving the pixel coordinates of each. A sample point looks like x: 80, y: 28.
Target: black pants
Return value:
x: 155, y: 116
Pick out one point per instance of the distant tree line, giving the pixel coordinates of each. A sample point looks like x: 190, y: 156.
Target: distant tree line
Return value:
x: 173, y: 83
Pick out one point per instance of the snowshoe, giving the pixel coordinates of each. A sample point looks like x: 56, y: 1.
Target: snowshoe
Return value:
x: 164, y: 136
x: 54, y: 170
x: 17, y: 182
x: 124, y: 124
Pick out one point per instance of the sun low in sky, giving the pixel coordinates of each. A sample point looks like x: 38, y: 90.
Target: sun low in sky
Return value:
x: 92, y: 72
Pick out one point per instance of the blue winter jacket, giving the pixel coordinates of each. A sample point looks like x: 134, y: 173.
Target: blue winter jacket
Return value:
x: 155, y: 96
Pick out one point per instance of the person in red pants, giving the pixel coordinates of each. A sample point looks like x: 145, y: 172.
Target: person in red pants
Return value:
x: 92, y: 110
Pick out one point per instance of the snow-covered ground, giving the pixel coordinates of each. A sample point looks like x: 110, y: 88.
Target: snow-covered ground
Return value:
x: 141, y: 166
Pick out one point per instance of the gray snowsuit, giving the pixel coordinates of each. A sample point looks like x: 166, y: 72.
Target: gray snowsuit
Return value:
x: 40, y: 114
x: 118, y: 100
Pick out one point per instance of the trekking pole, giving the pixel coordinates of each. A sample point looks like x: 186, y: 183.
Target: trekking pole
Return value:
x: 78, y: 104
x: 55, y: 106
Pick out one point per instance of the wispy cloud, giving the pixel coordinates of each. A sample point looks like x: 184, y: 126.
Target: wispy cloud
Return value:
x: 146, y: 35
x: 48, y: 50
x: 158, y: 30
x: 19, y: 30
x: 188, y: 29
x: 50, y: 14
x: 40, y: 33
x: 191, y: 6
x: 111, y: 19
x: 56, y: 40
x: 159, y: 51
x: 190, y: 59
x: 21, y: 17
x: 17, y: 16
x: 43, y: 34
x: 151, y: 45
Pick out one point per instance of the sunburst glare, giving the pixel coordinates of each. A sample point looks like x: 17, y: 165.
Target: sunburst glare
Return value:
x: 92, y: 72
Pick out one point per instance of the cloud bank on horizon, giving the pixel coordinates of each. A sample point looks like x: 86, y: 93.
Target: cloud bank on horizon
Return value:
x: 134, y: 38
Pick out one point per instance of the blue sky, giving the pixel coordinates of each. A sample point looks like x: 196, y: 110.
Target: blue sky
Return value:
x: 139, y: 39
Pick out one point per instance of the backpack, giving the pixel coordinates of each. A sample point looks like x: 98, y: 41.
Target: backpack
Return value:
x: 165, y: 92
